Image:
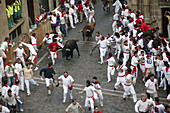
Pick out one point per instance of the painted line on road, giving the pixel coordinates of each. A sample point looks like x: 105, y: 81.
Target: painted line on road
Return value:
x: 42, y: 58
x: 105, y: 93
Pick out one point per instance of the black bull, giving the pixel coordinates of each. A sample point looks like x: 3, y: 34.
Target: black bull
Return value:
x: 68, y: 49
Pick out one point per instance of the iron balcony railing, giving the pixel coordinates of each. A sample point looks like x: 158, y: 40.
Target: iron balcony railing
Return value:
x: 164, y: 2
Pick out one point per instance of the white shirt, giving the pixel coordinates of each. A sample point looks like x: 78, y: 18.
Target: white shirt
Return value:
x: 118, y: 40
x: 133, y: 15
x: 4, y: 45
x: 48, y: 39
x: 31, y: 48
x: 128, y: 77
x: 5, y: 110
x: 5, y: 90
x: 9, y: 70
x: 2, y: 67
x: 131, y: 26
x: 98, y: 38
x: 140, y: 42
x: 33, y: 40
x: 151, y: 85
x: 91, y: 12
x: 66, y: 81
x: 117, y: 5
x: 18, y: 68
x: 89, y: 91
x: 149, y: 62
x: 167, y: 74
x: 116, y: 16
x: 19, y: 52
x: 53, y: 19
x: 62, y: 20
x: 134, y: 61
x: 141, y: 106
x: 71, y: 11
x: 111, y: 61
x: 103, y: 43
x: 15, y: 89
x: 150, y: 44
x: 159, y: 108
x: 10, y: 100
x: 121, y: 71
x: 125, y: 47
x: 97, y: 86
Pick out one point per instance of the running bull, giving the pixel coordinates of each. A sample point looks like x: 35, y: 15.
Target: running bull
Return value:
x: 68, y: 49
x: 87, y: 31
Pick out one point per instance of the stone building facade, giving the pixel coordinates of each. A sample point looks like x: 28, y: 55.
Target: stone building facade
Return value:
x: 153, y: 11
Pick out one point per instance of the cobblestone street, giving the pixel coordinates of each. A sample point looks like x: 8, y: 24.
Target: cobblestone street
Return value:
x: 81, y: 69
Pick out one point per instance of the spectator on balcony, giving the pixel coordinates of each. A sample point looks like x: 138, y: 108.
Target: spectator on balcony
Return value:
x: 20, y: 8
x: 16, y: 10
x: 167, y: 14
x: 8, y: 16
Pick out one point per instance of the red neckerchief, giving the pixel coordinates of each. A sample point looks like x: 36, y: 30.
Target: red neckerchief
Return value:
x: 128, y: 73
x: 158, y: 103
x: 148, y: 57
x: 96, y: 82
x: 139, y: 38
x: 5, y: 85
x: 108, y: 57
x: 149, y: 41
x: 144, y: 100
x: 97, y: 35
x: 119, y: 26
x: 165, y: 51
x: 18, y: 62
x: 140, y: 14
x: 131, y: 21
x: 10, y: 95
x: 118, y: 37
x: 125, y: 9
x: 152, y: 80
x: 102, y: 39
x: 66, y: 76
x: 9, y: 65
x: 5, y: 41
x: 156, y: 48
x: 126, y: 35
x: 15, y: 84
x: 126, y: 44
x: 48, y: 36
x: 167, y: 68
x: 131, y: 12
x: 34, y: 37
x: 161, y: 59
x: 62, y: 14
x: 163, y: 37
x: 134, y: 44
x: 49, y: 68
x: 135, y: 28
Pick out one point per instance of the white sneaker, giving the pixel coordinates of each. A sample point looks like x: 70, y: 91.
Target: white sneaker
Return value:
x: 64, y: 100
x: 164, y: 89
x: 49, y: 57
x: 36, y: 69
x: 37, y: 84
x: 108, y: 80
x: 101, y: 105
x: 49, y: 92
x: 73, y: 27
x: 21, y: 110
x: 28, y: 94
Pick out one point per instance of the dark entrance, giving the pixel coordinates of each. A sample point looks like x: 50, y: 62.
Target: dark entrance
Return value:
x: 164, y: 22
x: 31, y: 11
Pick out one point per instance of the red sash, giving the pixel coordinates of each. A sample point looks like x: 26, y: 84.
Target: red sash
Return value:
x: 134, y: 70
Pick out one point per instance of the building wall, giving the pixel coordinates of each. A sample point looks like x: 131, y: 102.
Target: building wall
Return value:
x: 151, y: 10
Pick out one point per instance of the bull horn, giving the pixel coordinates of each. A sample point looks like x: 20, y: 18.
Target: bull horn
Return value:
x: 88, y: 30
x: 67, y: 49
x: 59, y: 50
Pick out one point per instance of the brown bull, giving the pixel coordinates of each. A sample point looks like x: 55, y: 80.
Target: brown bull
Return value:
x: 87, y: 31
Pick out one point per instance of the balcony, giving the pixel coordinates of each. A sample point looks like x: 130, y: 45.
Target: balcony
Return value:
x: 164, y: 2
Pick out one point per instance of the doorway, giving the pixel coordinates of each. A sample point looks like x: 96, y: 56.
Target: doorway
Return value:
x: 165, y: 22
x: 31, y: 11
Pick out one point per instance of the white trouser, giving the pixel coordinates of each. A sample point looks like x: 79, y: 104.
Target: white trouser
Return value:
x: 168, y: 27
x: 48, y: 81
x: 102, y: 53
x: 135, y: 74
x: 142, y: 67
x: 21, y: 78
x: 66, y: 90
x: 91, y: 18
x: 100, y: 97
x: 71, y: 21
x: 120, y: 80
x: 130, y: 89
x: 22, y: 60
x: 125, y: 58
x: 27, y: 83
x: 53, y: 56
x: 75, y: 18
x: 89, y: 102
x: 118, y: 50
x: 110, y: 71
x: 86, y: 14
x: 1, y: 78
